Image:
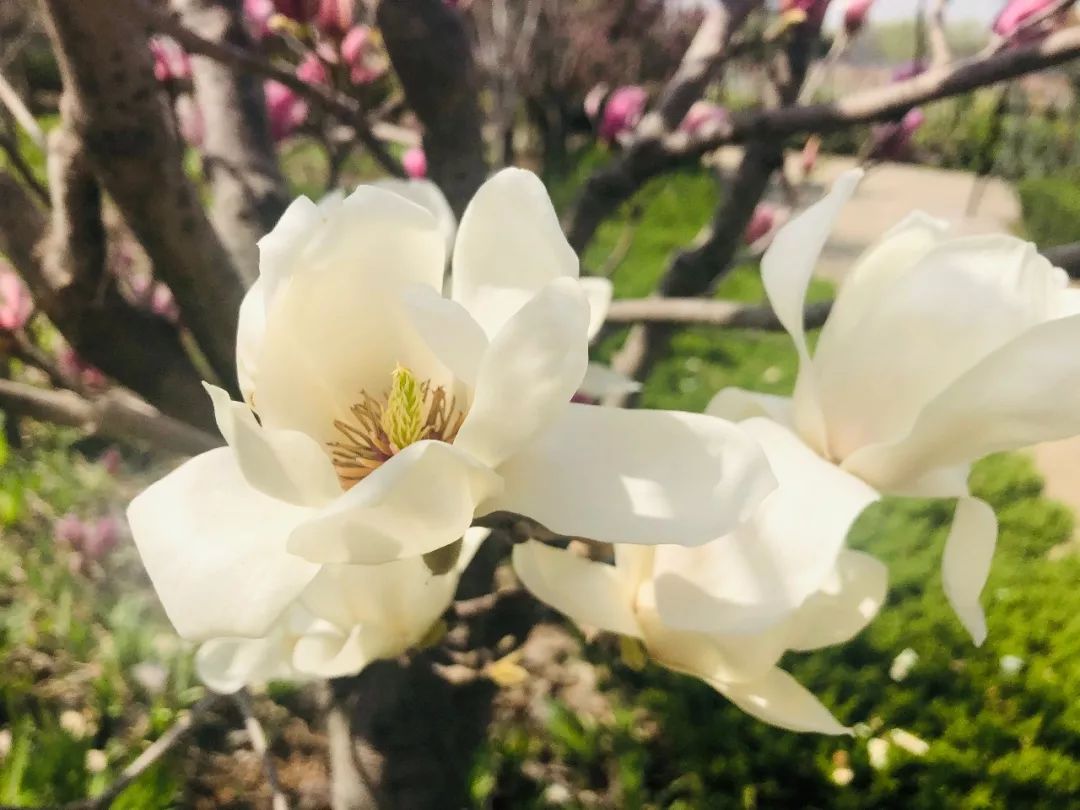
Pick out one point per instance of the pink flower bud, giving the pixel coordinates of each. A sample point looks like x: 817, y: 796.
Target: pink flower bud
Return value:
x: 703, y: 115
x: 257, y: 14
x: 855, y: 15
x: 171, y: 62
x: 1016, y: 13
x: 622, y: 112
x: 300, y: 10
x: 311, y: 70
x: 335, y: 17
x: 286, y: 110
x: 78, y: 370
x: 893, y: 141
x: 357, y: 51
x: 163, y: 304
x: 69, y: 531
x: 100, y: 538
x: 414, y: 161
x: 111, y: 461
x: 760, y: 224
x: 16, y: 306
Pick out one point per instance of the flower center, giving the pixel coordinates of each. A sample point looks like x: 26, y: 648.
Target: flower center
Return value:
x: 382, y: 427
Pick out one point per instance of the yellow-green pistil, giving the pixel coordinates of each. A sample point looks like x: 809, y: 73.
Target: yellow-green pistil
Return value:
x: 409, y: 412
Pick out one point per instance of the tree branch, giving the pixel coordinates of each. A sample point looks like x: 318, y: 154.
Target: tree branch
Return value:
x: 708, y: 312
x: 1067, y: 257
x: 940, y: 53
x: 249, y: 192
x: 325, y: 99
x: 431, y: 55
x: 610, y: 187
x: 114, y: 415
x: 644, y: 156
x: 259, y: 745
x: 112, y: 103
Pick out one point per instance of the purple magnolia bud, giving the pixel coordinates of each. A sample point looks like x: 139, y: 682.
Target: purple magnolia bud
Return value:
x: 286, y: 110
x: 761, y: 223
x: 163, y: 304
x: 335, y: 17
x: 703, y: 115
x: 100, y: 538
x: 893, y: 141
x: 69, y: 531
x: 257, y: 14
x: 414, y: 161
x: 1018, y: 12
x: 75, y: 368
x: 622, y: 112
x: 855, y: 15
x: 171, y: 62
x: 357, y: 51
x: 16, y: 306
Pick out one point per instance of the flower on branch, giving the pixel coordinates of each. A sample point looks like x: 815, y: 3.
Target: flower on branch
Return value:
x: 937, y: 352
x: 380, y: 417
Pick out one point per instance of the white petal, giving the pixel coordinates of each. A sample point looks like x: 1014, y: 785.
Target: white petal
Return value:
x: 768, y: 567
x: 425, y: 193
x: 1026, y: 392
x: 509, y: 247
x: 898, y: 252
x: 963, y: 300
x: 214, y: 548
x: 449, y: 331
x: 421, y: 499
x: 280, y: 250
x: 601, y: 382
x: 249, y: 338
x: 781, y: 701
x: 786, y: 270
x: 283, y: 464
x: 532, y: 368
x: 339, y: 326
x: 591, y: 593
x: 598, y: 291
x: 327, y: 652
x: 227, y: 665
x: 843, y: 608
x: 737, y: 404
x: 636, y: 476
x: 965, y: 566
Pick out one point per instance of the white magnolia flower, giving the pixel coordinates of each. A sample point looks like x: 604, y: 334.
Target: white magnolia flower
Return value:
x: 937, y: 352
x: 622, y: 598
x: 347, y: 617
x: 390, y: 416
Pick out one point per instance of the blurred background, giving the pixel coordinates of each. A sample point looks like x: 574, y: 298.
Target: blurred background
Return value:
x: 90, y: 669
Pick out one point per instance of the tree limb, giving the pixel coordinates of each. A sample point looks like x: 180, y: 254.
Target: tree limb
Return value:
x: 249, y: 192
x: 880, y: 104
x: 114, y: 415
x: 430, y: 52
x: 259, y: 745
x: 708, y: 312
x: 644, y: 155
x: 940, y: 52
x: 112, y: 103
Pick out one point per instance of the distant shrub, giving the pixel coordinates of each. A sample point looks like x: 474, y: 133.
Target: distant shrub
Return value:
x: 1051, y: 208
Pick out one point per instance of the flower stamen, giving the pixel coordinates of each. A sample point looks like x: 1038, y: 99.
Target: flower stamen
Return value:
x: 409, y: 412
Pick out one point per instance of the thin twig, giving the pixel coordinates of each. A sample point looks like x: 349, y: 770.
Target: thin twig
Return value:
x: 940, y: 52
x: 326, y: 99
x: 708, y: 312
x: 259, y: 745
x: 22, y: 168
x: 10, y: 99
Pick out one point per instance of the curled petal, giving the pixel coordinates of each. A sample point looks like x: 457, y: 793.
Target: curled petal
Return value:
x: 781, y: 701
x: 598, y: 291
x: 965, y: 566
x: 591, y: 593
x: 449, y: 331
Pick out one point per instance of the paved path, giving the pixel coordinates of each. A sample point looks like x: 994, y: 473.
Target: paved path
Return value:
x: 886, y: 195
